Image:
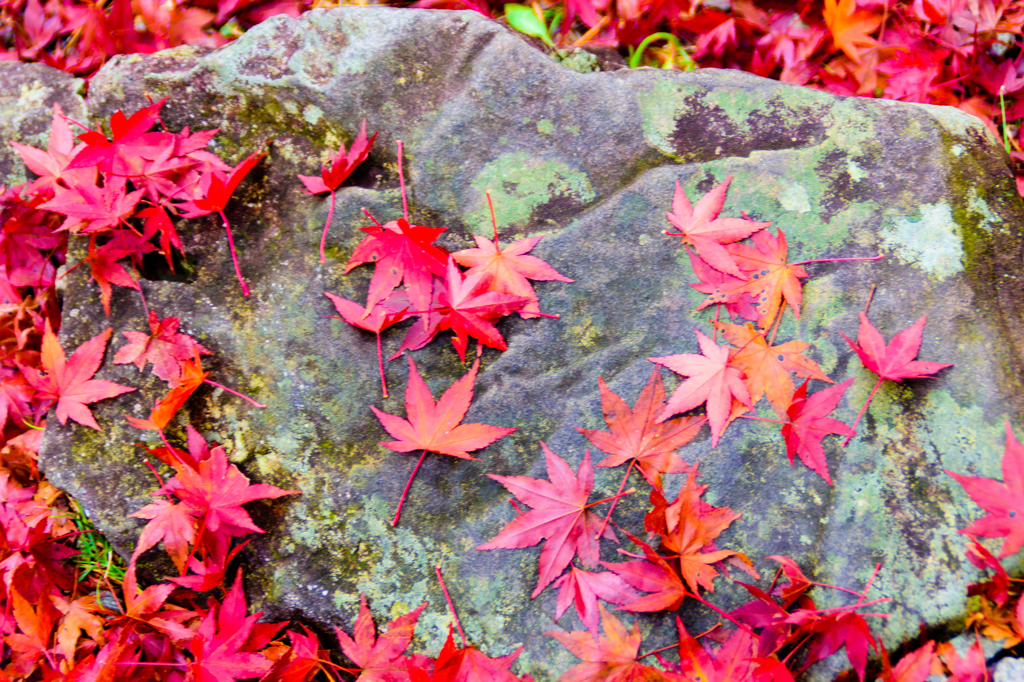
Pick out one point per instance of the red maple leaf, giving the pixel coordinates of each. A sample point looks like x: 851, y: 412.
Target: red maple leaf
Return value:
x: 468, y: 309
x: 331, y: 176
x: 711, y: 380
x: 808, y: 423
x: 401, y: 252
x: 216, y: 191
x: 68, y: 382
x: 1004, y: 501
x: 380, y: 659
x: 164, y: 346
x: 104, y: 153
x: 104, y: 268
x: 584, y: 588
x: 469, y: 664
x: 718, y: 286
x: 634, y: 436
x: 51, y: 165
x: 216, y: 491
x: 146, y: 607
x: 509, y: 271
x: 612, y: 657
x: 700, y: 226
x: 435, y: 427
x: 170, y: 522
x: 375, y: 320
x: 894, y: 362
x: 559, y: 513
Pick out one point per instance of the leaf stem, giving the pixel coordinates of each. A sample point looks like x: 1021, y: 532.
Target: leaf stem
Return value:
x: 853, y: 426
x: 370, y: 216
x: 234, y: 392
x: 494, y: 220
x: 327, y: 225
x: 159, y: 480
x: 608, y: 516
x: 398, y: 512
x: 451, y: 606
x: 657, y: 651
x: 234, y: 256
x: 723, y: 614
x: 380, y: 364
x: 401, y: 180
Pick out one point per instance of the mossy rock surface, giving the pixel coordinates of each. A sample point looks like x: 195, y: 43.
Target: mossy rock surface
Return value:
x: 590, y: 161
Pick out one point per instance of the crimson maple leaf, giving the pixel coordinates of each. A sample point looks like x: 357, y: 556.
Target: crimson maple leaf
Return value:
x: 1004, y: 501
x: 435, y: 427
x: 401, y: 252
x: 375, y: 320
x: 380, y: 659
x: 68, y: 382
x: 808, y: 423
x: 833, y: 631
x: 104, y: 153
x: 633, y: 435
x: 331, y: 176
x: 700, y: 226
x: 217, y: 648
x: 729, y: 662
x: 92, y: 209
x: 559, y: 513
x: 216, y: 491
x: 216, y: 191
x: 584, y: 588
x: 509, y: 271
x: 711, y: 380
x: 468, y: 308
x: 164, y: 346
x: 612, y: 657
x: 894, y: 362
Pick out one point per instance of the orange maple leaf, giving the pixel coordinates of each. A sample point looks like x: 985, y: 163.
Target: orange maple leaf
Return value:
x: 67, y: 381
x: 380, y: 659
x: 612, y: 657
x: 633, y: 434
x: 849, y: 27
x: 192, y: 376
x: 769, y: 368
x: 435, y: 427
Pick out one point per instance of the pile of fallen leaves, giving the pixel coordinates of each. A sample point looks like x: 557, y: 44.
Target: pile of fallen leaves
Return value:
x: 127, y: 194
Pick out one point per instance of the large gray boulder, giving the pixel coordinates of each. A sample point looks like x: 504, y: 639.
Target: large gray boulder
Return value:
x: 589, y: 160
